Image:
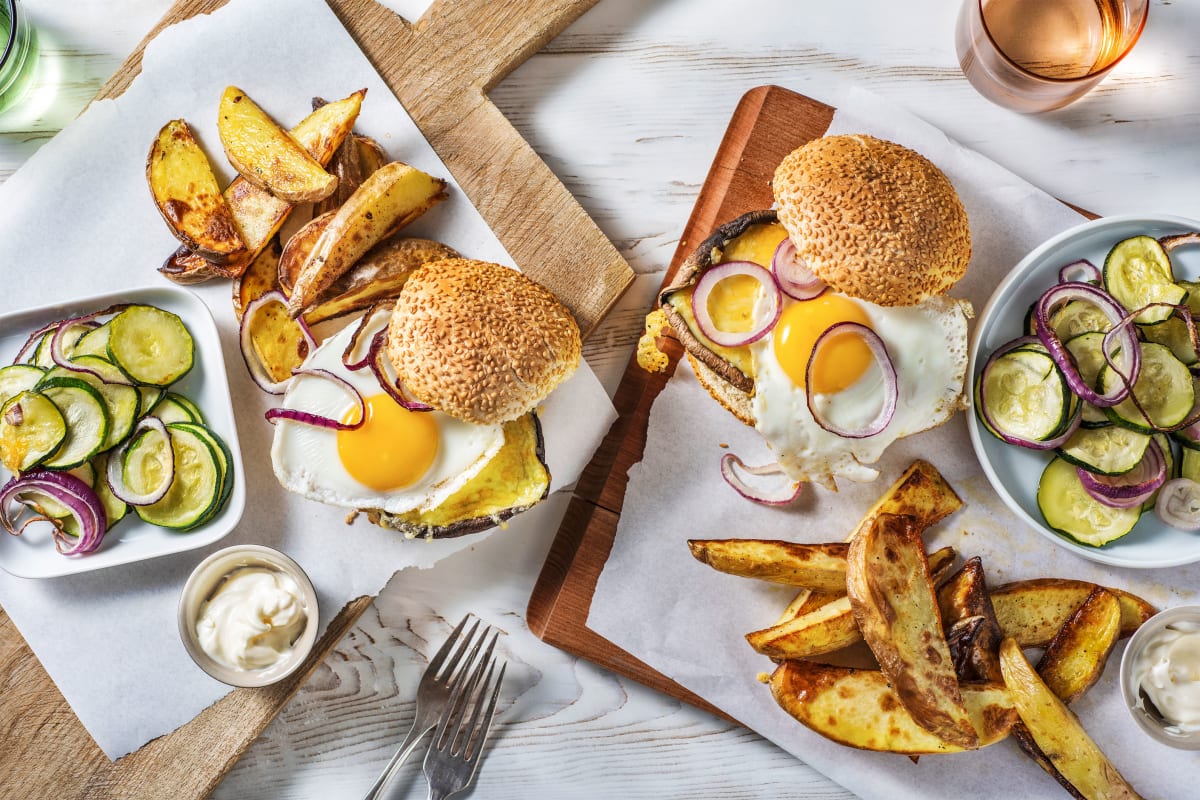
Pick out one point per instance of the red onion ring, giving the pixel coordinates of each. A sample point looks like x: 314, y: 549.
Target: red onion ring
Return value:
x: 385, y: 373
x: 70, y: 492
x: 316, y: 420
x: 981, y: 406
x: 1178, y: 504
x: 1129, y: 322
x: 254, y: 365
x: 1132, y: 488
x: 792, y: 274
x: 33, y: 339
x: 1081, y: 271
x: 367, y: 322
x: 890, y: 382
x: 714, y: 275
x: 768, y: 496
x: 115, y: 474
x: 1062, y: 293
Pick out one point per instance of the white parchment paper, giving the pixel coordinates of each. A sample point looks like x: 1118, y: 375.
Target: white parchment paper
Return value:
x: 78, y: 220
x: 687, y: 621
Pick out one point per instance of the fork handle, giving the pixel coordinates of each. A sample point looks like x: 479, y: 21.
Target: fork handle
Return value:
x: 410, y: 742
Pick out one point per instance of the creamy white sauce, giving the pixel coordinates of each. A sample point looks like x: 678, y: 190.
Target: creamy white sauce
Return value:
x: 252, y: 619
x: 1168, y: 671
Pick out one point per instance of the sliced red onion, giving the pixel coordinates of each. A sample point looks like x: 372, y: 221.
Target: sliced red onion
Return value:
x: 1169, y: 243
x: 32, y: 341
x: 70, y: 492
x: 981, y: 405
x: 1132, y: 488
x: 1128, y: 322
x: 792, y: 273
x: 775, y: 494
x: 1120, y: 334
x: 115, y: 474
x: 385, y: 373
x: 1081, y: 271
x: 58, y: 342
x: 316, y: 420
x: 890, y: 383
x: 1178, y: 504
x: 350, y: 356
x: 714, y: 275
x: 258, y: 370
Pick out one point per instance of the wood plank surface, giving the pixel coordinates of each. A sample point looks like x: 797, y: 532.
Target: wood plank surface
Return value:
x: 768, y: 123
x: 440, y: 68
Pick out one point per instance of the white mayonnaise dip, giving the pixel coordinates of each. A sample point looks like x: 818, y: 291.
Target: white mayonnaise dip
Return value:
x: 1168, y: 671
x: 252, y: 619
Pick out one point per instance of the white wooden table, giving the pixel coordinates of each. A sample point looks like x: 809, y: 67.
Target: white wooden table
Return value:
x: 627, y: 107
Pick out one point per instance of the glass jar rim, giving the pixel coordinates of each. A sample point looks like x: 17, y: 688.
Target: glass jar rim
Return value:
x: 11, y: 44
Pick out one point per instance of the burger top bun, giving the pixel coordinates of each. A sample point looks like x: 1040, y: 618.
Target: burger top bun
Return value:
x: 480, y: 341
x: 873, y: 219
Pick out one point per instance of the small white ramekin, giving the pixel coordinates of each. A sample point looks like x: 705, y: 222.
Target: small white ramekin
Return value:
x: 1157, y: 729
x: 199, y: 588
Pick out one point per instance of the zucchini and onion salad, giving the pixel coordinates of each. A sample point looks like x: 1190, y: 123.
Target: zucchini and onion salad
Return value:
x: 1106, y: 376
x: 90, y: 429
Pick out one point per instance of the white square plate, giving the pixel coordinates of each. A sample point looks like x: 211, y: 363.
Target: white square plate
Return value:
x: 32, y: 554
x: 1014, y: 471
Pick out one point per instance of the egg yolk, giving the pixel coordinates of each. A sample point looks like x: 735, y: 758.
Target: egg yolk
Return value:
x: 392, y: 449
x: 842, y: 360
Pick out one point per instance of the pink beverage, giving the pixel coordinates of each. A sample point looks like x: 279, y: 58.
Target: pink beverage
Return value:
x: 1038, y: 55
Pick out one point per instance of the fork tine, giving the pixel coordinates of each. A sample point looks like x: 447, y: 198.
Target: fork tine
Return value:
x: 435, y: 663
x: 451, y: 720
x: 481, y: 720
x: 454, y: 671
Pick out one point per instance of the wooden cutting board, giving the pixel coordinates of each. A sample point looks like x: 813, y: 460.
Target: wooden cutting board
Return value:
x: 768, y: 123
x: 441, y: 69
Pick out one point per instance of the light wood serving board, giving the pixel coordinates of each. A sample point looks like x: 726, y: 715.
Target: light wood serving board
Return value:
x: 441, y: 68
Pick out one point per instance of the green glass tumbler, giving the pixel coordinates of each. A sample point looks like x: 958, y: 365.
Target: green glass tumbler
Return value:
x: 18, y: 54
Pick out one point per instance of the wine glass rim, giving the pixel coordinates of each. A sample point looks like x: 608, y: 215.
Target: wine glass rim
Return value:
x: 12, y: 30
x: 1132, y: 40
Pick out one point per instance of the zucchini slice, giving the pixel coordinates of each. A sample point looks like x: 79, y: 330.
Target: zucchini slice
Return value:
x: 150, y: 345
x: 224, y: 460
x: 176, y: 408
x: 196, y: 488
x: 1138, y: 271
x: 31, y: 428
x: 1164, y: 388
x: 1111, y: 450
x: 93, y: 343
x: 120, y: 399
x: 1076, y: 317
x: 115, y: 508
x: 1069, y: 510
x: 86, y: 416
x: 1025, y: 395
x: 18, y: 378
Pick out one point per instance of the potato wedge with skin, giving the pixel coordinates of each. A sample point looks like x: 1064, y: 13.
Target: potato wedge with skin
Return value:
x: 965, y: 596
x: 260, y: 277
x: 266, y: 155
x: 278, y: 340
x: 298, y: 249
x: 1057, y: 731
x: 186, y: 192
x: 821, y: 567
x: 346, y: 166
x: 258, y: 214
x: 941, y: 561
x: 921, y: 492
x: 378, y: 276
x: 823, y: 630
x: 888, y: 583
x: 859, y: 708
x: 1075, y: 658
x: 371, y: 155
x: 389, y: 199
x: 1032, y: 611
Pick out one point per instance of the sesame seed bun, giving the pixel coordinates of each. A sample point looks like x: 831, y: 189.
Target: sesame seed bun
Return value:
x: 480, y: 341
x: 873, y: 219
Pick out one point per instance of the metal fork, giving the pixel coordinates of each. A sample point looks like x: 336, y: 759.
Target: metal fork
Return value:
x: 434, y: 691
x: 453, y: 756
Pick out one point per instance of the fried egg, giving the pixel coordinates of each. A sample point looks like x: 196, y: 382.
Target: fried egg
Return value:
x: 398, y: 461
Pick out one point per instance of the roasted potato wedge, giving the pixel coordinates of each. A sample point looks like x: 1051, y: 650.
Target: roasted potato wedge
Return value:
x: 392, y: 197
x: 187, y: 194
x: 965, y: 596
x: 861, y: 709
x: 921, y: 492
x: 378, y: 276
x: 1033, y: 611
x: 823, y: 630
x: 1075, y: 658
x: 277, y: 340
x: 346, y: 166
x: 821, y: 567
x: 298, y: 248
x: 256, y: 212
x: 1057, y: 732
x: 268, y: 156
x: 370, y: 154
x: 260, y: 277
x: 892, y: 595
x: 941, y: 561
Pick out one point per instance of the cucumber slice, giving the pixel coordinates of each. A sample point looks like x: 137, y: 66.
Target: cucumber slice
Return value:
x: 197, y: 485
x: 150, y: 345
x: 93, y: 343
x: 1069, y: 510
x: 1138, y: 271
x: 172, y: 409
x: 1164, y: 388
x: 115, y: 508
x: 120, y: 399
x: 1076, y: 317
x: 1025, y: 395
x: 224, y: 459
x: 86, y: 414
x: 18, y: 378
x: 31, y: 428
x: 1111, y: 450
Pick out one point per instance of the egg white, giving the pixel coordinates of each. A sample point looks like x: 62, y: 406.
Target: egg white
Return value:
x: 305, y: 458
x: 927, y: 344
